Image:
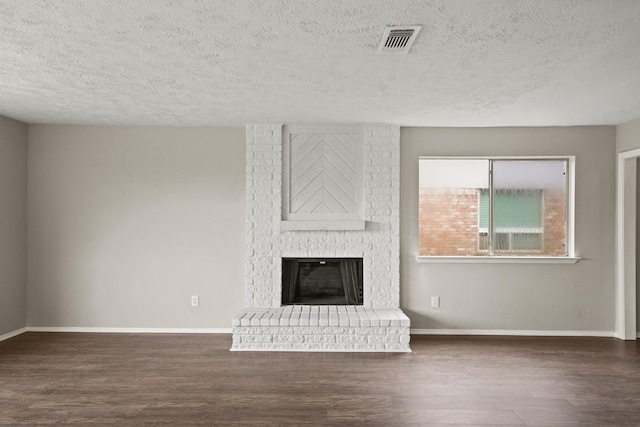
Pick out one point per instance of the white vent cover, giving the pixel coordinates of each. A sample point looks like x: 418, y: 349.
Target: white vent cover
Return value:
x: 398, y: 39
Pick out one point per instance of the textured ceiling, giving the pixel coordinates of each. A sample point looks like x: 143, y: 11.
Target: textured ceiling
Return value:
x: 207, y: 63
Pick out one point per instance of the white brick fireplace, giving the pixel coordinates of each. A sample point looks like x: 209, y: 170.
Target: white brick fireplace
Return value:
x: 271, y: 235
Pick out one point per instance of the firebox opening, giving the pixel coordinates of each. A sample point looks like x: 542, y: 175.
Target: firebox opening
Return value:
x: 322, y: 281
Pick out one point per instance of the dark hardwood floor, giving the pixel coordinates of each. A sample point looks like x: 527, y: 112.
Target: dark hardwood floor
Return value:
x: 183, y: 380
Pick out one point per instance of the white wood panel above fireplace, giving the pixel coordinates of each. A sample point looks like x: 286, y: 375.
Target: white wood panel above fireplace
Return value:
x: 322, y: 178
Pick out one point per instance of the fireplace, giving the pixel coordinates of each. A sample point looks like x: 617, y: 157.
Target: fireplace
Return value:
x: 300, y: 243
x: 322, y: 281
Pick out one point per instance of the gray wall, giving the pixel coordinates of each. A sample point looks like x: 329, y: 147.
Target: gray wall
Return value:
x: 126, y: 223
x: 13, y: 201
x: 540, y: 297
x: 628, y: 138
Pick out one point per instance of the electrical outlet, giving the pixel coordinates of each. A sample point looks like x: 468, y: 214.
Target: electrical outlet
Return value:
x: 195, y: 301
x: 435, y: 302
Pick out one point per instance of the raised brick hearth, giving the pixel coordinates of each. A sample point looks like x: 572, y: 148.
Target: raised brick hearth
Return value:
x: 321, y: 328
x: 378, y: 324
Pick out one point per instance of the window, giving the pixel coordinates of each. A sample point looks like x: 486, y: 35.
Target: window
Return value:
x: 494, y: 207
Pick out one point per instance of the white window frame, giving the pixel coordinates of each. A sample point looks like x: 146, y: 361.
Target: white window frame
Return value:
x: 570, y: 258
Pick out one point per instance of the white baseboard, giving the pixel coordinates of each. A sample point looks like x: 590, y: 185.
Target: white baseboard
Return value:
x: 513, y: 332
x: 478, y: 332
x: 13, y: 334
x: 129, y: 330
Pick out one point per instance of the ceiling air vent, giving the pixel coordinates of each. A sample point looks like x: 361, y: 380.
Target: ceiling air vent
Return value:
x: 398, y: 39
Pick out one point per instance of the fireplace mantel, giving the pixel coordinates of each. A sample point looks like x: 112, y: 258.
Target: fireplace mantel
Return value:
x: 327, y: 225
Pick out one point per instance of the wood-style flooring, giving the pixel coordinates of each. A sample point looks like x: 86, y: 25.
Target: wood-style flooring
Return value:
x: 184, y: 380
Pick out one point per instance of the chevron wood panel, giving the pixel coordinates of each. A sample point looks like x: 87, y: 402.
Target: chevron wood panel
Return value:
x: 323, y: 174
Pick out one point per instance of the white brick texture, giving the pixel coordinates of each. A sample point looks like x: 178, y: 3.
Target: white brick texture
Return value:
x: 384, y: 330
x: 266, y: 244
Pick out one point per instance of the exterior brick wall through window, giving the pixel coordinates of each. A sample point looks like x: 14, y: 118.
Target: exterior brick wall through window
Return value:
x: 449, y: 224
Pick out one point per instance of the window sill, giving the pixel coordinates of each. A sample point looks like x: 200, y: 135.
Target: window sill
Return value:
x: 497, y: 259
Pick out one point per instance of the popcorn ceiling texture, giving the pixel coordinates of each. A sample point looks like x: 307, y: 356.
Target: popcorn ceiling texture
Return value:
x: 378, y: 245
x: 200, y: 63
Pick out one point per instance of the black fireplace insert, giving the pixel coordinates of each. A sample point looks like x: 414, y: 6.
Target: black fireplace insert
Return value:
x: 322, y: 281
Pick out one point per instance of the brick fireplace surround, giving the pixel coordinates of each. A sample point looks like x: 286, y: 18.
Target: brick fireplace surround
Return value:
x: 377, y: 325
